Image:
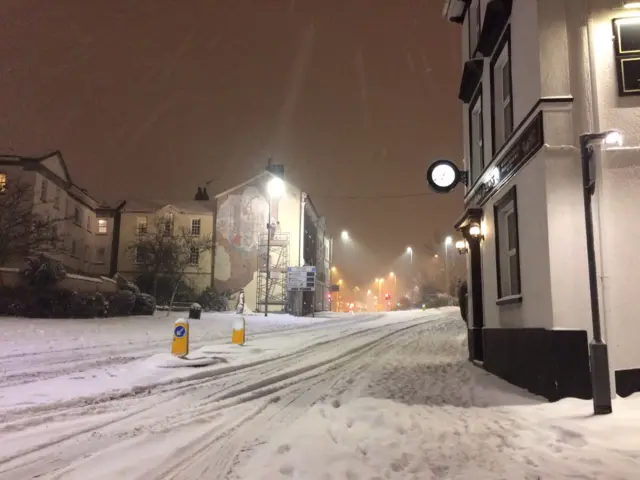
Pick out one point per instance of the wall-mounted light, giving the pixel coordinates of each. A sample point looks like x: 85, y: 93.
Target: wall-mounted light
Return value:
x: 476, y: 232
x: 462, y: 247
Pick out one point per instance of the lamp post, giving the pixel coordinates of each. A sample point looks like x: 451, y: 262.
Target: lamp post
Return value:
x: 598, y: 351
x: 275, y: 188
x: 395, y: 284
x: 380, y: 282
x: 447, y: 241
x: 332, y: 271
x: 410, y: 252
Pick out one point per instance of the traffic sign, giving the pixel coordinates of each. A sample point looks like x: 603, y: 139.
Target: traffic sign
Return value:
x: 301, y: 279
x: 180, y: 343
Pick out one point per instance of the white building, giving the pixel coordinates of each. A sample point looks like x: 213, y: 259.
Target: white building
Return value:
x: 537, y: 74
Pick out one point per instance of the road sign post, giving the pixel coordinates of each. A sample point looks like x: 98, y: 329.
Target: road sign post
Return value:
x: 299, y: 280
x: 180, y: 344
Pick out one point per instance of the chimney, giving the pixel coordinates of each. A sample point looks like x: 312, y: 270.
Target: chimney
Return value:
x: 205, y: 194
x: 199, y: 194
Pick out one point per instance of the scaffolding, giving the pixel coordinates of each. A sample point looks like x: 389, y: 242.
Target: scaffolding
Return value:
x: 277, y: 250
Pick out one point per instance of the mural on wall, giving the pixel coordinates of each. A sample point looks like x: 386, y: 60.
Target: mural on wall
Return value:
x: 241, y: 220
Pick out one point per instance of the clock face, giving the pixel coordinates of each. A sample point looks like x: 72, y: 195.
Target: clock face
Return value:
x: 443, y: 175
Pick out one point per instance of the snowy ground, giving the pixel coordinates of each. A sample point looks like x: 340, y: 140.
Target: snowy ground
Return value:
x: 339, y: 397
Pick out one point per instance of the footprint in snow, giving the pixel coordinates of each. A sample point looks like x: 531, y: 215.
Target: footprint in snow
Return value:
x: 282, y: 449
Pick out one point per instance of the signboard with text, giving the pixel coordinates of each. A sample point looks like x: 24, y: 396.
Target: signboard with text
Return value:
x: 301, y: 279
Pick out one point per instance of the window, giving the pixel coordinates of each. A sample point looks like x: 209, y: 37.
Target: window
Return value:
x: 168, y: 224
x: 73, y: 248
x: 3, y: 182
x: 195, y: 227
x: 139, y: 257
x: 507, y: 251
x: 76, y: 216
x: 476, y: 134
x: 43, y: 190
x: 502, y: 94
x: 56, y: 199
x: 101, y: 253
x: 141, y: 225
x: 194, y: 256
x: 88, y: 223
x: 103, y: 226
x: 474, y: 26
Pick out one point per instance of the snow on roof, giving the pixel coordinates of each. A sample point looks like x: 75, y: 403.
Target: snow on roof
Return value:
x: 151, y: 206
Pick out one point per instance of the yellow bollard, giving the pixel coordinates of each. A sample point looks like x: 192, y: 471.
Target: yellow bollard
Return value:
x: 180, y: 344
x: 238, y: 335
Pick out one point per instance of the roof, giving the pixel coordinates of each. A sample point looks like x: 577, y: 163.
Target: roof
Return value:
x: 152, y: 206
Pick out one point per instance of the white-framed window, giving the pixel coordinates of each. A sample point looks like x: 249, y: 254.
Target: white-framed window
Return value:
x: 103, y: 226
x: 195, y: 227
x: 56, y: 199
x: 507, y: 245
x: 43, y: 190
x: 101, y: 253
x: 142, y: 224
x: 168, y: 224
x: 502, y: 93
x: 3, y: 182
x: 476, y: 136
x: 194, y: 256
x: 139, y: 256
x: 475, y: 25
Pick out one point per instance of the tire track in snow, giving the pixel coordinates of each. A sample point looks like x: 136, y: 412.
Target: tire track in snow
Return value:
x: 270, y: 365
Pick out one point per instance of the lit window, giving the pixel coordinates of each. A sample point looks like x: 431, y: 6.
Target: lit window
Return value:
x: 103, y: 226
x: 195, y: 227
x: 476, y: 142
x: 3, y: 182
x: 506, y: 220
x: 194, y: 256
x: 502, y: 95
x: 141, y: 225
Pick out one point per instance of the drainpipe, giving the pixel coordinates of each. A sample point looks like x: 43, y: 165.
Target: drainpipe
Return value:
x: 594, y: 120
x: 303, y: 201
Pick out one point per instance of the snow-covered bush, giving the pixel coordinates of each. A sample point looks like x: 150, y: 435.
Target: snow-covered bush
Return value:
x: 43, y: 272
x: 145, y: 304
x: 121, y: 304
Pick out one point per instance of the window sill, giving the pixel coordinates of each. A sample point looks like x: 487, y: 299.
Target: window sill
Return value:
x: 509, y: 300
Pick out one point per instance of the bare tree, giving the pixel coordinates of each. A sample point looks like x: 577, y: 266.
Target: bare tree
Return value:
x: 162, y: 251
x: 23, y: 232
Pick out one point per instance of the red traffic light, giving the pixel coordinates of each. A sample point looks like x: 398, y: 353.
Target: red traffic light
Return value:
x: 387, y: 296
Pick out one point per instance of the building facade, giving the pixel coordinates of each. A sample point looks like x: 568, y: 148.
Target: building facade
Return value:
x: 196, y: 218
x: 243, y: 244
x: 536, y: 75
x: 81, y: 219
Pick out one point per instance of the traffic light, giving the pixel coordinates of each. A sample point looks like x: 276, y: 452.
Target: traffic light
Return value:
x: 387, y: 296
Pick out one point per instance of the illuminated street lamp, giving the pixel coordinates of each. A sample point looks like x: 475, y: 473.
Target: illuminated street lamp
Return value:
x: 410, y: 252
x: 344, y: 235
x: 275, y: 189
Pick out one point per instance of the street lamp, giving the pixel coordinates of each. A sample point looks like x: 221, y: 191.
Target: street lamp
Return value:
x: 275, y: 189
x: 410, y: 252
x: 598, y: 352
x: 344, y: 235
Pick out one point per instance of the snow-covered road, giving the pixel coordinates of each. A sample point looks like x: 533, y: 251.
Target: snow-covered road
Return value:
x: 356, y: 397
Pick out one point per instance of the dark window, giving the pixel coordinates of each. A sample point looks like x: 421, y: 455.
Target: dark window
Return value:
x: 476, y: 137
x: 507, y: 245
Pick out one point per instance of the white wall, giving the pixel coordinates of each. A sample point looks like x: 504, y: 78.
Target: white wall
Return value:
x: 535, y: 309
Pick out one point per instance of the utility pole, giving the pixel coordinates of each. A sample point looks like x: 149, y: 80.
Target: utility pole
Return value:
x: 266, y: 294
